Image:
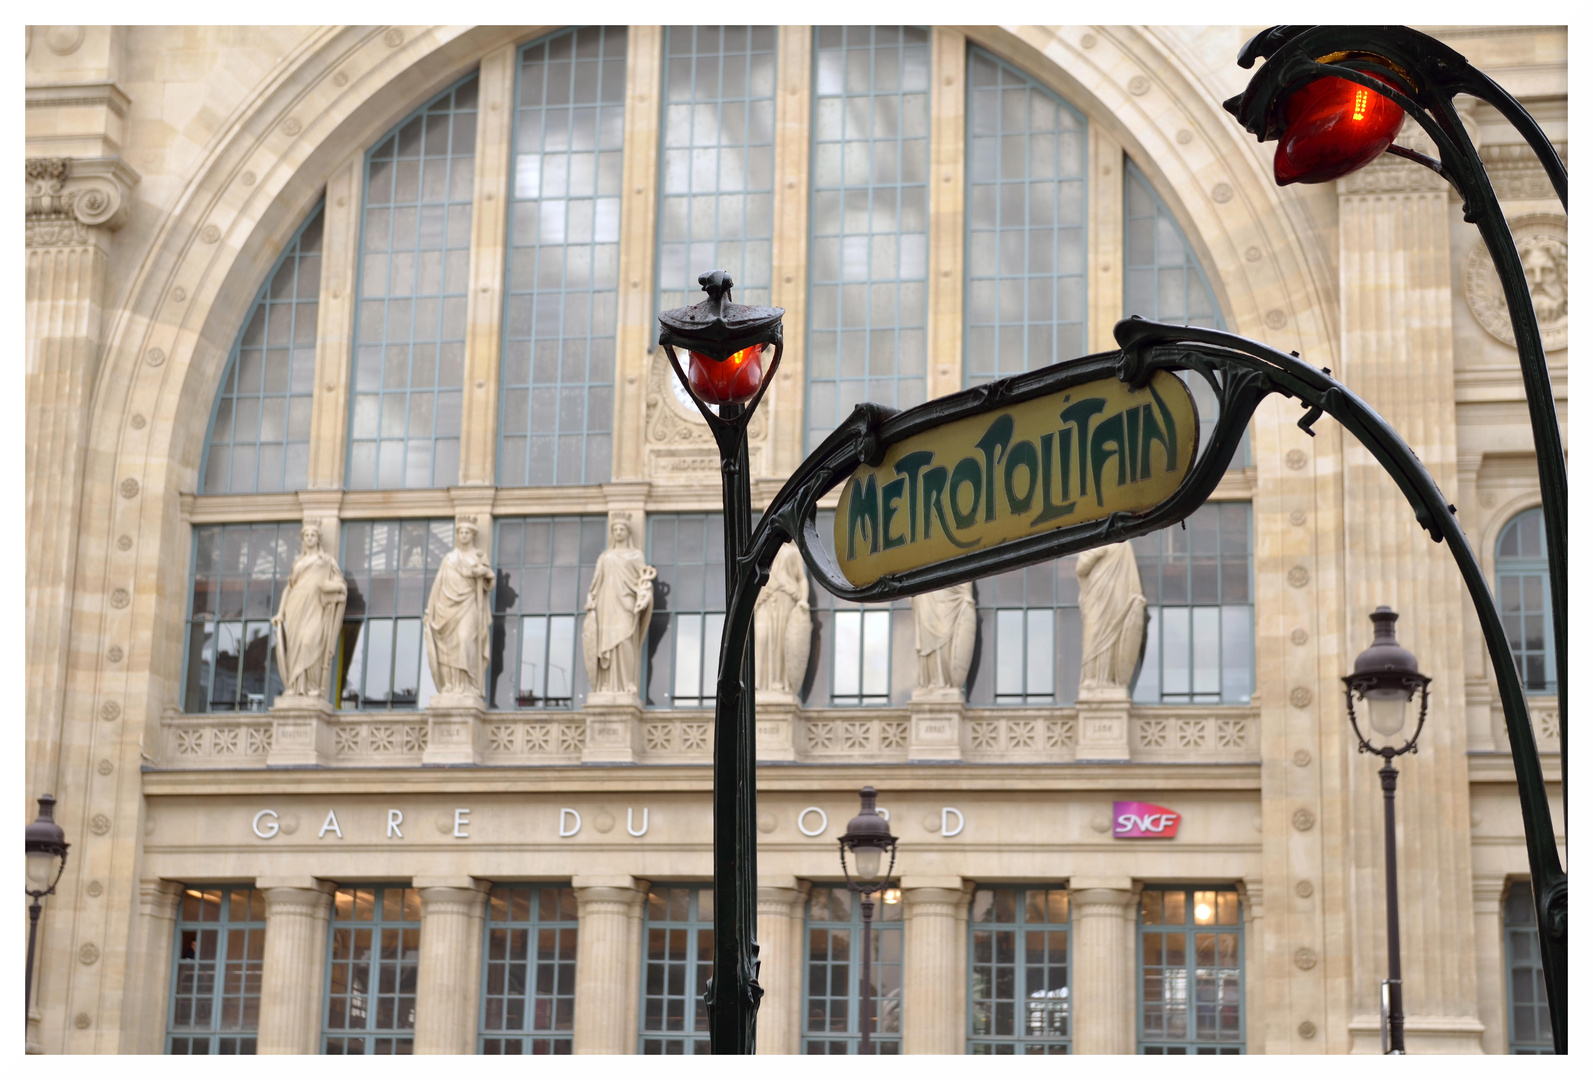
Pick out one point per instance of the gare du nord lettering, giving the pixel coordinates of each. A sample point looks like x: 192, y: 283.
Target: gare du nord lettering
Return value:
x: 1066, y: 458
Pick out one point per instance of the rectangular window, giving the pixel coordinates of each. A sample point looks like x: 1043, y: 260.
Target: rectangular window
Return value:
x: 373, y: 958
x: 220, y: 950
x: 1199, y: 642
x: 865, y: 653
x: 1030, y: 636
x: 409, y: 339
x: 677, y: 961
x: 682, y: 661
x: 832, y: 985
x: 1191, y: 964
x: 238, y: 578
x: 544, y: 567
x: 528, y: 995
x: 260, y: 433
x: 716, y: 164
x: 557, y: 399
x: 1018, y: 963
x: 1526, y: 994
x: 389, y: 566
x: 1522, y: 565
x: 1026, y: 223
x: 869, y: 224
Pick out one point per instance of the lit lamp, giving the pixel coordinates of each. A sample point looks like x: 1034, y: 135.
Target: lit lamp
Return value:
x: 1385, y: 682
x: 1332, y: 128
x: 46, y: 860
x: 732, y: 351
x: 867, y: 839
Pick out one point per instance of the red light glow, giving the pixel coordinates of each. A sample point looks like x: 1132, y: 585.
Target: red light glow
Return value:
x: 726, y: 382
x: 1334, y: 128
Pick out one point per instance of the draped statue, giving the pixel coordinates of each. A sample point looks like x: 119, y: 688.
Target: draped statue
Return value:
x: 458, y: 619
x: 309, y: 618
x: 619, y: 607
x: 782, y: 625
x: 1112, y: 607
x: 944, y: 624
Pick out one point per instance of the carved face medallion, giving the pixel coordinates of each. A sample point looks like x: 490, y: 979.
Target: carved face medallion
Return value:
x: 1541, y: 244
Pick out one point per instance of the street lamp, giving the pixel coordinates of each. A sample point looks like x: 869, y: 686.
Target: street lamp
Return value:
x: 46, y: 859
x: 732, y: 352
x: 867, y: 839
x: 1385, y: 681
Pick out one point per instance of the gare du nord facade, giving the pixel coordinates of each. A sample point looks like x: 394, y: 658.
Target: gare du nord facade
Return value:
x: 384, y: 281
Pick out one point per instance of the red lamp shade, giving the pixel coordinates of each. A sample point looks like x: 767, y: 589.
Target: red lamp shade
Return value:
x: 730, y: 381
x: 1334, y: 126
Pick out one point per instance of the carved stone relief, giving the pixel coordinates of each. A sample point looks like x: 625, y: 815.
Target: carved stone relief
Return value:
x: 1541, y: 243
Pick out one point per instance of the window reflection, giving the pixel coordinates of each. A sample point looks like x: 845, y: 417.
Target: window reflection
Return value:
x: 1191, y: 980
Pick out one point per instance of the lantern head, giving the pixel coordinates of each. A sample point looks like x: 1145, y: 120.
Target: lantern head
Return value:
x: 1333, y: 127
x: 728, y: 345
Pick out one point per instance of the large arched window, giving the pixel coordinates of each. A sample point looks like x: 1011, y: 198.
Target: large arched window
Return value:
x: 260, y: 426
x: 1521, y: 567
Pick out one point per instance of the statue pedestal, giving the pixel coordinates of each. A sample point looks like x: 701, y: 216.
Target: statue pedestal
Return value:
x: 935, y: 731
x: 1103, y: 725
x: 456, y: 732
x: 613, y: 729
x: 301, y: 731
x: 777, y: 713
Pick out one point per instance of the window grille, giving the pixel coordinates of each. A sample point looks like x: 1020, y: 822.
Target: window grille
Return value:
x: 682, y: 649
x: 373, y: 958
x: 217, y: 963
x: 677, y: 961
x: 865, y: 653
x: 1018, y: 964
x: 832, y: 983
x: 1030, y: 636
x: 389, y: 566
x: 528, y: 976
x: 1191, y: 962
x: 1526, y: 994
x: 1521, y: 565
x: 544, y: 567
x: 238, y: 577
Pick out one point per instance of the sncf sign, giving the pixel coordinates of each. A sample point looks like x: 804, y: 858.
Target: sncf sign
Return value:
x: 1144, y: 821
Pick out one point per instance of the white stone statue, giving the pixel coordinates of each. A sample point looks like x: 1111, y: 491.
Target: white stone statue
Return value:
x: 619, y: 606
x: 782, y: 625
x: 944, y: 624
x: 458, y: 620
x: 1112, y: 607
x: 309, y: 618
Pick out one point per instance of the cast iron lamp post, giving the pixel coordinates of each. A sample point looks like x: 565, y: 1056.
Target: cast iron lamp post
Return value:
x: 1334, y: 97
x: 46, y: 856
x: 732, y: 352
x: 1386, y: 681
x: 867, y: 839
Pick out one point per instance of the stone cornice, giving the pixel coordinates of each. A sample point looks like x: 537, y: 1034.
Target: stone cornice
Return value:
x: 96, y: 95
x: 67, y: 197
x: 1516, y: 172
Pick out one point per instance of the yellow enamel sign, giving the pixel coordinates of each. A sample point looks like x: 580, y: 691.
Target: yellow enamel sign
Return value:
x: 1067, y: 458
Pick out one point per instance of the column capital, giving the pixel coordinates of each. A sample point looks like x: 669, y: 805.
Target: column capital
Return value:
x: 467, y: 900
x: 1099, y: 901
x: 159, y: 898
x: 780, y: 899
x: 1488, y: 892
x: 608, y: 894
x: 65, y: 198
x: 312, y: 899
x: 934, y: 900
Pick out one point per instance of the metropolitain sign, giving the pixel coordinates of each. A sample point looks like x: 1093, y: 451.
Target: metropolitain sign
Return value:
x: 1066, y: 458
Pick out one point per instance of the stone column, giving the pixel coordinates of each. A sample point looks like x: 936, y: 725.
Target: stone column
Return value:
x: 1255, y: 967
x: 157, y: 919
x: 73, y: 206
x: 780, y: 966
x: 607, y: 963
x: 934, y: 965
x: 1103, y: 981
x: 1487, y: 900
x: 1397, y: 306
x: 294, y: 971
x: 448, y: 997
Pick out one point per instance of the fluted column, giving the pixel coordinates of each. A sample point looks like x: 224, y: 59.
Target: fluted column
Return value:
x: 607, y: 963
x: 72, y: 207
x: 448, y: 996
x: 157, y: 919
x: 934, y: 966
x: 294, y: 969
x: 780, y: 967
x: 1397, y: 307
x: 1487, y: 900
x: 1102, y: 977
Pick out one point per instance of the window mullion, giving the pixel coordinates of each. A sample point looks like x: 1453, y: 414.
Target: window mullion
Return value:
x: 793, y: 107
x: 1103, y: 239
x: 334, y: 330
x: 489, y: 215
x: 947, y: 148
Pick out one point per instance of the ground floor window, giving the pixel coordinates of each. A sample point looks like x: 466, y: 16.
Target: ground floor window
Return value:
x: 528, y: 990
x: 1018, y: 964
x: 832, y: 987
x: 373, y: 960
x: 677, y: 960
x: 1526, y: 995
x: 220, y: 949
x: 1191, y: 968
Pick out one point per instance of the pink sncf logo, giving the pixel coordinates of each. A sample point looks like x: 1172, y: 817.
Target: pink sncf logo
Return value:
x: 1144, y: 821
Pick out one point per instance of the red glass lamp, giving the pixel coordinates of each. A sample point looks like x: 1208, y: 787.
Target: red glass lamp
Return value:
x: 1333, y: 127
x: 732, y: 349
